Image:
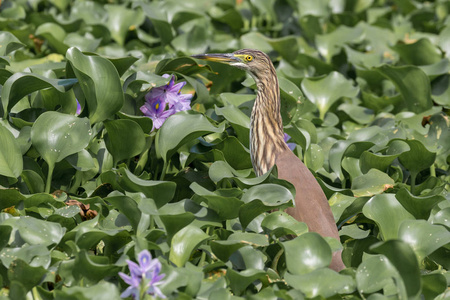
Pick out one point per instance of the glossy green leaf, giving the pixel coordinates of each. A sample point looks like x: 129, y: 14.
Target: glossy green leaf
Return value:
x: 21, y: 84
x: 184, y: 242
x: 420, y: 53
x: 306, y: 253
x: 28, y: 276
x: 433, y: 285
x: 11, y: 162
x: 388, y: 213
x: 371, y: 160
x: 423, y: 237
x: 321, y: 282
x: 377, y: 273
x: 412, y: 83
x: 261, y: 198
x: 101, y: 291
x: 160, y: 191
x: 240, y: 280
x: 37, y: 232
x: 121, y: 20
x: 419, y: 207
x: 54, y: 34
x: 93, y: 268
x: 9, y: 42
x: 100, y: 83
x: 418, y: 157
x: 56, y: 135
x: 170, y: 137
x: 325, y: 91
x: 372, y: 183
x: 403, y: 258
x: 125, y: 139
x: 280, y: 223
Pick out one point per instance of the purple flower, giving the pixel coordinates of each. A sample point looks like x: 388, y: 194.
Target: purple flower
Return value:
x: 290, y: 145
x: 167, y: 95
x: 144, y: 278
x: 155, y: 109
x: 78, y: 108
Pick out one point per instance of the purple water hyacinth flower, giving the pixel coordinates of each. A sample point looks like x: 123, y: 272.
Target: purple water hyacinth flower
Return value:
x: 155, y: 109
x: 144, y: 277
x: 167, y: 95
x: 291, y: 146
x: 78, y: 108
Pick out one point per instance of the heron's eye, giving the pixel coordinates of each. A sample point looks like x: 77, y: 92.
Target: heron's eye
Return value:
x: 248, y: 58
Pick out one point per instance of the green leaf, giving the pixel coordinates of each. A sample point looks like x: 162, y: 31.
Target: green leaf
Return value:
x: 404, y: 260
x: 28, y: 276
x: 239, y: 281
x: 9, y: 43
x: 100, y: 291
x: 170, y: 136
x: 280, y: 223
x: 419, y: 207
x: 420, y: 53
x: 184, y: 242
x: 412, y: 83
x: 127, y: 206
x: 21, y: 84
x: 56, y: 136
x: 125, y: 139
x: 261, y: 198
x: 433, y: 285
x: 376, y: 273
x: 306, y: 253
x: 378, y: 161
x: 160, y: 191
x: 92, y: 267
x: 423, y: 237
x: 326, y: 90
x: 225, y: 207
x: 175, y: 222
x: 54, y: 34
x: 100, y: 83
x: 121, y: 20
x: 11, y: 162
x: 37, y: 232
x: 321, y: 283
x: 372, y: 183
x: 387, y: 213
x: 418, y: 158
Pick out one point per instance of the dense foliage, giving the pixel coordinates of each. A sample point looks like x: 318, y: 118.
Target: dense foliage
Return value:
x: 365, y: 88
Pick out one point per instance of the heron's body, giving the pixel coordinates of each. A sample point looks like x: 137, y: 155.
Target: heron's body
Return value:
x: 268, y: 147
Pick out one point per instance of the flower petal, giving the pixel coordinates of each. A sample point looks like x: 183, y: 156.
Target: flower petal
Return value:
x: 145, y: 260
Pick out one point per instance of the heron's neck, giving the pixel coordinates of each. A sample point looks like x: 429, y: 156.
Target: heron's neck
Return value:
x: 266, y: 127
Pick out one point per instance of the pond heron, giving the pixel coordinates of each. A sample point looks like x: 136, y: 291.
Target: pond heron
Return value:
x: 268, y: 148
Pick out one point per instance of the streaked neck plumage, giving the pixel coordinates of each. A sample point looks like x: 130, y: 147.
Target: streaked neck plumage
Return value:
x: 266, y: 127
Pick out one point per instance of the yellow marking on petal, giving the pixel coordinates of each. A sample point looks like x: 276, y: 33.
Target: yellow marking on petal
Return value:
x: 157, y: 105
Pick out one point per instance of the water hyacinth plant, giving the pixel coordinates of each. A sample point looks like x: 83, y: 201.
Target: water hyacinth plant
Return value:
x: 365, y: 95
x: 144, y: 277
x: 163, y: 101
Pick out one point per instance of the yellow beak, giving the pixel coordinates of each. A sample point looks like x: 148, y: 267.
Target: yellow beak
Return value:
x: 218, y: 57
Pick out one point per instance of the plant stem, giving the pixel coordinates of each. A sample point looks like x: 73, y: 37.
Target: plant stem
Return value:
x: 76, y: 182
x: 49, y: 178
x: 433, y: 170
x: 413, y: 182
x: 163, y: 172
x: 203, y: 257
x: 276, y: 259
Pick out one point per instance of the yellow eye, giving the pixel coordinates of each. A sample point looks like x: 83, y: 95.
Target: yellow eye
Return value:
x: 248, y: 58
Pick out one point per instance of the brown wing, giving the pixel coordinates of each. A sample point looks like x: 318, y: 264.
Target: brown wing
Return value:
x: 311, y: 204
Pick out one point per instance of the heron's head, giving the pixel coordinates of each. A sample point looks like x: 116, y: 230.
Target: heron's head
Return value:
x: 255, y: 62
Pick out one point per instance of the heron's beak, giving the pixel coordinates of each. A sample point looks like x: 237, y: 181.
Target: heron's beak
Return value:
x: 218, y: 57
